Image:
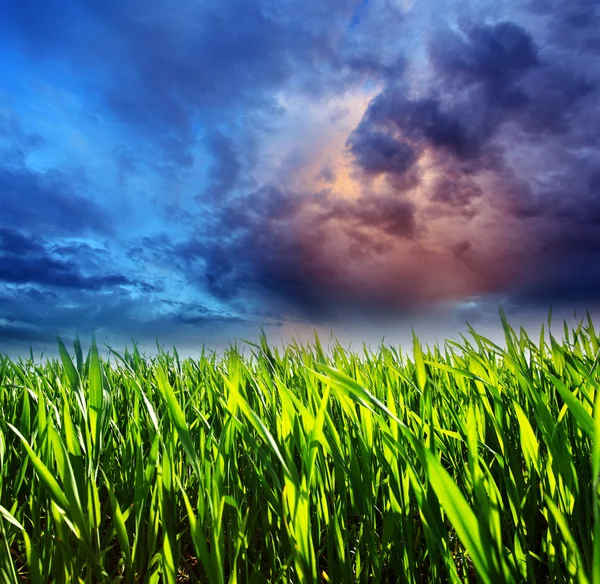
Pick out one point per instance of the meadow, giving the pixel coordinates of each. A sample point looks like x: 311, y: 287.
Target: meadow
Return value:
x: 469, y: 462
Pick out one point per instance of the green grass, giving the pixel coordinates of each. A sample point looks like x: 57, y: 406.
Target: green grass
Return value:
x: 471, y: 463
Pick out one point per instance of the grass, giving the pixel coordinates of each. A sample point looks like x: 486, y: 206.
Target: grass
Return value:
x: 471, y: 463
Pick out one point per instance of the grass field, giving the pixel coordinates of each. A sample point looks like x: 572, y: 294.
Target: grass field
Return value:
x: 469, y: 462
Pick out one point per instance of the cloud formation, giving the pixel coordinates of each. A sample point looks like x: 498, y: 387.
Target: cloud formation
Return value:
x: 162, y: 170
x: 27, y: 261
x: 504, y: 123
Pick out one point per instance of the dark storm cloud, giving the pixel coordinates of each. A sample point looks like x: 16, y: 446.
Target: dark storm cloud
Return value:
x: 377, y: 152
x: 263, y: 248
x: 70, y: 250
x: 24, y: 260
x: 477, y: 89
x: 11, y: 333
x: 574, y: 24
x: 46, y: 271
x: 566, y: 269
x: 485, y: 78
x: 205, y: 319
x: 455, y: 193
x: 50, y: 202
x: 384, y: 213
x: 15, y: 243
x: 261, y: 260
x: 490, y: 54
x: 494, y: 89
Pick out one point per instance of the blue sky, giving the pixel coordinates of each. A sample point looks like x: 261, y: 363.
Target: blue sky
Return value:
x: 193, y: 172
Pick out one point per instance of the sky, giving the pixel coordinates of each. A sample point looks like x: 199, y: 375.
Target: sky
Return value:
x: 194, y: 171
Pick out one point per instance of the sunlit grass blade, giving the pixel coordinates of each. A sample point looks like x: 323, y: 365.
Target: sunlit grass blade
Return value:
x: 569, y: 540
x: 178, y: 419
x: 575, y: 407
x: 461, y: 516
x: 44, y: 474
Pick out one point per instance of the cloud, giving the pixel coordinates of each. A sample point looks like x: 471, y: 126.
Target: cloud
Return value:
x: 205, y: 319
x: 475, y: 89
x: 503, y: 126
x: 14, y: 333
x: 377, y: 152
x: 279, y: 248
x: 158, y: 68
x: 472, y: 172
x: 46, y: 271
x: 49, y: 202
x: 24, y: 260
x: 387, y: 214
x: 490, y: 54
